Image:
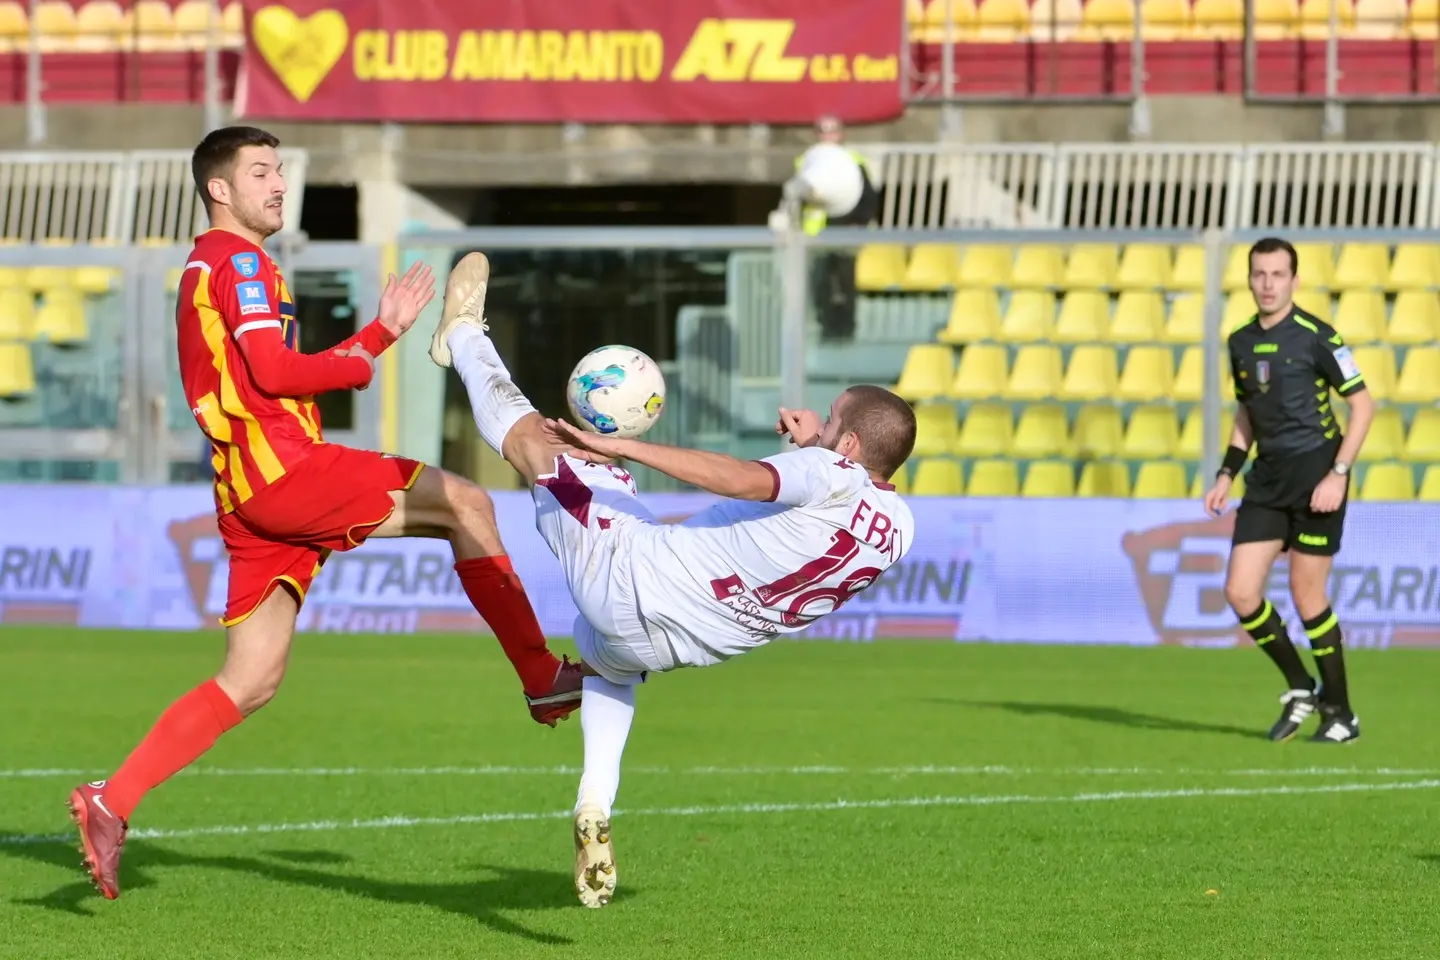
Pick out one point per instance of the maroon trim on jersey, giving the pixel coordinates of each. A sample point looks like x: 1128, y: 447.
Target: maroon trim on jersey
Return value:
x: 774, y: 479
x: 882, y: 485
x: 569, y: 491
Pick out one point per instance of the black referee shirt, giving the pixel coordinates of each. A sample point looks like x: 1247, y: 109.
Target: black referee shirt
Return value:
x: 1283, y: 377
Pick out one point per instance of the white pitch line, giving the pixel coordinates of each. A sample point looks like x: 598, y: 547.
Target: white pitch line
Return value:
x: 747, y: 771
x: 982, y: 800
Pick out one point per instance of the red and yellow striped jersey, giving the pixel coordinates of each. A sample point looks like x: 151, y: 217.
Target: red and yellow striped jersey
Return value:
x: 249, y: 388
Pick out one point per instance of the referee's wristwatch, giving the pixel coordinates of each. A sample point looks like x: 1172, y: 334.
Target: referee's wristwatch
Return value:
x: 1341, y: 468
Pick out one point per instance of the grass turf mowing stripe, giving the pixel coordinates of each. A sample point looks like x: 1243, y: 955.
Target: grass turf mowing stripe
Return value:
x: 924, y: 770
x: 386, y: 823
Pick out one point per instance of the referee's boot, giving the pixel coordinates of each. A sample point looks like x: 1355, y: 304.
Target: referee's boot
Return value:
x: 1337, y: 725
x: 1296, y: 706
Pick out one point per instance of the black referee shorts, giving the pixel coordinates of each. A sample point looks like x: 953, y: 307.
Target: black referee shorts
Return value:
x: 1276, y: 506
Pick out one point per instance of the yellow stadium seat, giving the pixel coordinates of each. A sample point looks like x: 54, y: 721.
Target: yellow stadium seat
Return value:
x: 56, y: 23
x: 192, y: 23
x: 1360, y: 317
x: 1138, y: 316
x: 987, y: 431
x: 1381, y: 19
x: 1191, y: 445
x: 1145, y: 266
x: 901, y: 479
x: 974, y: 315
x: 11, y: 277
x: 1219, y: 19
x: 1239, y: 310
x: 986, y: 265
x: 1165, y: 19
x: 1423, y: 441
x: 1377, y: 364
x: 1316, y: 302
x: 1388, y: 482
x: 1317, y: 260
x: 1362, y: 266
x: 879, y: 266
x: 17, y: 313
x: 1049, y: 478
x: 1038, y: 266
x: 935, y: 429
x: 1237, y: 268
x: 101, y: 25
x: 1160, y: 480
x: 1092, y: 266
x: 1092, y: 374
x: 947, y: 18
x: 1029, y: 316
x: 1186, y: 322
x: 1188, y: 274
x: 937, y: 477
x: 1042, y: 432
x: 156, y: 242
x: 1419, y: 376
x: 17, y: 370
x: 155, y: 26
x: 994, y: 478
x: 1053, y: 20
x: 1430, y: 485
x: 1415, y: 318
x: 14, y: 27
x: 1152, y: 433
x: 983, y: 373
x: 1416, y: 267
x: 95, y: 281
x: 61, y: 318
x: 1108, y: 20
x: 1099, y: 431
x: 1084, y: 317
x: 1104, y: 478
x: 1424, y: 19
x: 1386, y: 439
x: 40, y: 279
x: 933, y: 266
x: 928, y: 371
x: 1036, y: 374
x: 1149, y: 374
x: 1001, y: 21
x: 1315, y: 18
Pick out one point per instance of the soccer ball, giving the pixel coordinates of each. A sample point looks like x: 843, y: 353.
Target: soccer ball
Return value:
x: 617, y: 391
x: 834, y: 178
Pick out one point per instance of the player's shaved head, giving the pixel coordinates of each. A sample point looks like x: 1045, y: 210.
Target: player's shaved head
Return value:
x: 883, y: 423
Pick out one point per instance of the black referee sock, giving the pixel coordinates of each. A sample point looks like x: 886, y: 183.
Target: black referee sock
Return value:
x: 1268, y: 631
x: 1325, y: 647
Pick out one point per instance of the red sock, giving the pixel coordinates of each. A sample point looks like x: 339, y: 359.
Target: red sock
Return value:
x: 498, y: 596
x: 185, y: 731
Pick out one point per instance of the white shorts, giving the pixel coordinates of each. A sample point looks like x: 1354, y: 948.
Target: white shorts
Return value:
x: 587, y: 514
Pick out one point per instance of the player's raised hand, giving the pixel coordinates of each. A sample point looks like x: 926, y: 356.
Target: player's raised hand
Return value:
x: 1218, y: 497
x: 803, y: 426
x: 403, y: 299
x: 591, y: 447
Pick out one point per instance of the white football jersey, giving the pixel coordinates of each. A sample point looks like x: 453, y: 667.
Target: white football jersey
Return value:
x: 737, y: 575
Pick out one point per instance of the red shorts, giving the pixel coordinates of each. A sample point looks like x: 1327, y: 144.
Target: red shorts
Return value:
x: 332, y: 500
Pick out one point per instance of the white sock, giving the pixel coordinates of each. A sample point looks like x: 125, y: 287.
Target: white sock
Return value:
x: 495, y: 402
x: 605, y: 715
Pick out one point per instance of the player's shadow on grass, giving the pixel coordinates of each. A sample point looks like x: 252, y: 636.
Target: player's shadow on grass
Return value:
x: 1117, y: 717
x: 486, y: 900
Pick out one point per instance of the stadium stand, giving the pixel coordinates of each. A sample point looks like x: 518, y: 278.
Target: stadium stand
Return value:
x: 1080, y: 371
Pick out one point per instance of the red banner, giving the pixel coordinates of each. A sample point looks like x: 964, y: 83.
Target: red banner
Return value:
x: 600, y: 61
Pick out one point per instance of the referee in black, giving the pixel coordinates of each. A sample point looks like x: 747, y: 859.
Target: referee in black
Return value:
x: 1285, y: 363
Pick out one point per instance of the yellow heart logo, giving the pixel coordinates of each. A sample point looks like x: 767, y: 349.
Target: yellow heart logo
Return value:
x: 301, y: 52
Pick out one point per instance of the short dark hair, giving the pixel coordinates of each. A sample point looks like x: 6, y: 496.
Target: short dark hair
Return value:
x: 217, y: 153
x: 1275, y: 245
x: 885, y: 425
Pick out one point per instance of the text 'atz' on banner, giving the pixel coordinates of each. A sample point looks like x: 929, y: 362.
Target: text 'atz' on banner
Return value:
x: 602, y: 61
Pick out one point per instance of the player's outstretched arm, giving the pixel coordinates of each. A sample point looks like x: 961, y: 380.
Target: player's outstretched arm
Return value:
x: 716, y: 473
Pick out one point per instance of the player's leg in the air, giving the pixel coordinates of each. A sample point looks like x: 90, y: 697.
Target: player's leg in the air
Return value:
x: 509, y: 424
x: 1312, y: 553
x: 1260, y: 536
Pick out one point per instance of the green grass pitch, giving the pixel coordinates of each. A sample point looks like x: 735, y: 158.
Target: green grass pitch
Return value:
x: 810, y: 800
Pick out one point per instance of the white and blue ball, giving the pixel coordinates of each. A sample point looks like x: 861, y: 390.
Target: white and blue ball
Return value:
x: 617, y: 391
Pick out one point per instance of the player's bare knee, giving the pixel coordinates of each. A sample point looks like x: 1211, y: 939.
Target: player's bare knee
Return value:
x: 252, y: 687
x: 1244, y: 598
x: 1309, y: 578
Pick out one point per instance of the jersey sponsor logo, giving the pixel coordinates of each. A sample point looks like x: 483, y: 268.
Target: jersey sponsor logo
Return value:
x: 1349, y: 369
x: 1267, y: 348
x: 252, y: 297
x: 246, y: 264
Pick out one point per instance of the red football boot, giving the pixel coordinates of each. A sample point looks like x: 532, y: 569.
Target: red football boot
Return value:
x: 102, y: 836
x: 562, y: 699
